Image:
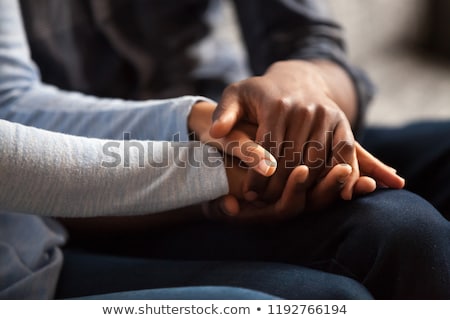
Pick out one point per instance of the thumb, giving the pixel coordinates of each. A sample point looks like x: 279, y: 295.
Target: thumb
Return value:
x: 238, y: 144
x: 226, y: 114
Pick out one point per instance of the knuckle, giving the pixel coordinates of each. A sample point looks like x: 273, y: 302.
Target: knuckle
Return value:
x: 285, y: 103
x: 326, y: 111
x: 290, y: 107
x: 343, y: 150
x: 320, y: 109
x: 306, y: 113
x: 347, y: 145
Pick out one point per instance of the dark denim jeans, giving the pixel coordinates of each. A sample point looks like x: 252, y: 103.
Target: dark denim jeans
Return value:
x: 421, y: 153
x: 393, y: 243
x: 185, y: 293
x: 87, y: 274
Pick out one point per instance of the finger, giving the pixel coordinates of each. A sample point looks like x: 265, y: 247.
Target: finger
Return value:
x: 275, y: 185
x: 292, y: 200
x: 212, y: 210
x: 347, y: 190
x: 227, y: 113
x: 270, y: 135
x: 291, y: 203
x: 291, y: 156
x: 228, y: 209
x: 229, y: 205
x: 383, y: 174
x: 291, y: 153
x: 225, y: 208
x: 255, y: 186
x: 256, y: 158
x: 328, y: 189
x: 343, y: 144
x: 364, y: 185
x: 344, y: 151
x: 238, y: 144
x: 297, y: 135
x: 318, y: 145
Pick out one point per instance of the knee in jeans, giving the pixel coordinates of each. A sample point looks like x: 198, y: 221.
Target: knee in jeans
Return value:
x: 400, y: 217
x: 342, y: 288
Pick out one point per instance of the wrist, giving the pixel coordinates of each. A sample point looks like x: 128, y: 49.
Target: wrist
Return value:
x: 309, y: 73
x: 200, y: 120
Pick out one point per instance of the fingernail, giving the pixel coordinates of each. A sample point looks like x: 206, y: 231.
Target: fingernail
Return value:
x: 344, y: 177
x: 266, y: 167
x: 250, y: 196
x: 393, y: 170
x: 302, y: 178
x: 347, y: 197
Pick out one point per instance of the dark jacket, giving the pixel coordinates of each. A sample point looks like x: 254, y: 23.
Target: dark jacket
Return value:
x: 139, y: 49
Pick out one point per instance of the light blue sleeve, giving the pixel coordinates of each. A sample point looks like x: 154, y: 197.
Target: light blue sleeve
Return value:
x: 54, y: 174
x: 49, y: 166
x: 24, y: 99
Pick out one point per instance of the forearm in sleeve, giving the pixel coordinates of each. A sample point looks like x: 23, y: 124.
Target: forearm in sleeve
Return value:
x: 24, y: 99
x: 54, y: 174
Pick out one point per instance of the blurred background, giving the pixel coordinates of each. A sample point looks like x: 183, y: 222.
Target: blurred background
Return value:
x: 404, y: 46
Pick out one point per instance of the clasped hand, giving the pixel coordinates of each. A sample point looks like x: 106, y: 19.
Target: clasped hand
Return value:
x: 295, y: 141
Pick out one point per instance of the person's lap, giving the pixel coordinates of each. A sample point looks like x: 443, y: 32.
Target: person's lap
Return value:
x: 392, y: 242
x: 376, y: 240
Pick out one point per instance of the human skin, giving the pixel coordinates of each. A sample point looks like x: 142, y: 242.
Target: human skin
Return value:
x: 300, y: 102
x: 296, y: 101
x: 297, y: 194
